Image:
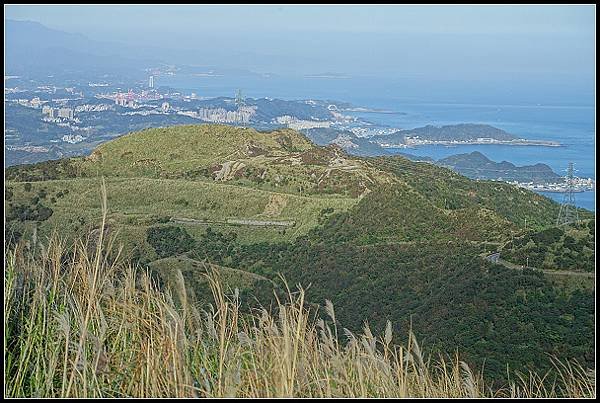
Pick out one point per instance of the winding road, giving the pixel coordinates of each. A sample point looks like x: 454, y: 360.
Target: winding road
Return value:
x: 495, y: 258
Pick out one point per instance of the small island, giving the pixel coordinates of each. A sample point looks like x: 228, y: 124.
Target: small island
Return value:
x: 538, y: 177
x: 459, y: 134
x: 476, y: 165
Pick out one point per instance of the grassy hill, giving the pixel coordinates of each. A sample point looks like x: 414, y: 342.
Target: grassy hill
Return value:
x: 221, y: 176
x: 384, y: 238
x: 203, y: 175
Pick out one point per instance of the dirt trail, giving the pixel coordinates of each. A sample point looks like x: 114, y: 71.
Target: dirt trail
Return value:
x: 228, y: 170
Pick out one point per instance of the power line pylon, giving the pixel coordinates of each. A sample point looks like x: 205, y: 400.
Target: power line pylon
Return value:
x: 239, y: 99
x: 568, y: 210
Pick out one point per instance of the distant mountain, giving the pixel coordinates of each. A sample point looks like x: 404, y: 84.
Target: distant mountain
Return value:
x: 458, y: 132
x: 18, y: 157
x: 462, y: 132
x: 475, y: 165
x: 33, y: 49
x: 417, y: 158
x: 347, y: 140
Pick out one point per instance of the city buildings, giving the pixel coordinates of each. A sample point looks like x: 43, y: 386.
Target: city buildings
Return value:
x: 299, y: 124
x: 58, y: 113
x: 72, y: 138
x: 121, y: 100
x: 220, y: 115
x: 125, y: 101
x: 50, y: 112
x: 66, y: 113
x: 35, y: 102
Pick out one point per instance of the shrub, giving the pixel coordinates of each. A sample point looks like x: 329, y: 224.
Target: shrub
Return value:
x: 169, y: 240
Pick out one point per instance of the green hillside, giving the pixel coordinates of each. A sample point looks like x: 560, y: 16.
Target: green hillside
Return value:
x: 198, y: 175
x: 570, y: 247
x: 263, y: 186
x: 193, y: 281
x: 383, y: 238
x: 449, y: 296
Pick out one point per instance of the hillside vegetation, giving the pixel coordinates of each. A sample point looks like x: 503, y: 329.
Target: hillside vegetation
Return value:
x: 570, y: 247
x: 384, y: 239
x: 80, y: 323
x: 210, y: 175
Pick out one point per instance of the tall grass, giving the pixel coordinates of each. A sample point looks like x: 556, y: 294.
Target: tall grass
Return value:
x: 82, y: 322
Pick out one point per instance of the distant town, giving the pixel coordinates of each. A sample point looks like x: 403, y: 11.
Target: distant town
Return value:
x: 578, y: 185
x: 48, y: 121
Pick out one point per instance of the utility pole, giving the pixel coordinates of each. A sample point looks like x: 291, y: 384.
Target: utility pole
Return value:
x: 568, y: 210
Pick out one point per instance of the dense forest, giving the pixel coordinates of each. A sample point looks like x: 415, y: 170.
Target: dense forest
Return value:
x: 570, y: 247
x: 451, y: 299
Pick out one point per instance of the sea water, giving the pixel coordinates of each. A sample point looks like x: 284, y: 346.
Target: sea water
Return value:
x: 414, y: 102
x: 571, y: 126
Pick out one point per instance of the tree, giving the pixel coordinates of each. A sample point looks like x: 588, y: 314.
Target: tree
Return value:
x: 169, y: 240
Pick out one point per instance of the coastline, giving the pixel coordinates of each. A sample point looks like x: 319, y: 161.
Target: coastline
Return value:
x: 450, y: 143
x: 369, y: 110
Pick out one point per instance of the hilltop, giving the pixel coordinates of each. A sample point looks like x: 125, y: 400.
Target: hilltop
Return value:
x: 199, y: 175
x: 477, y: 166
x: 383, y: 238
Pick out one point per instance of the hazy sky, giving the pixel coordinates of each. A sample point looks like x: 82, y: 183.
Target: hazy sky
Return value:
x: 442, y: 41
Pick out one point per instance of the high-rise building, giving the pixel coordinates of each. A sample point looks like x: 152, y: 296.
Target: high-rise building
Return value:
x: 66, y: 113
x: 151, y: 82
x: 120, y: 100
x: 239, y: 99
x: 51, y: 112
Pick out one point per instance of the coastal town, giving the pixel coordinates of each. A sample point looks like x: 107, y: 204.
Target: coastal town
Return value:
x: 72, y: 119
x: 577, y: 185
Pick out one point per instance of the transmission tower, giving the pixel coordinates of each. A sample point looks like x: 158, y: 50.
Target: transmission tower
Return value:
x: 239, y: 99
x: 568, y: 210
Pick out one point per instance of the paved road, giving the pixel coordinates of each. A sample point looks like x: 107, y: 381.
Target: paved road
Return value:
x: 495, y: 258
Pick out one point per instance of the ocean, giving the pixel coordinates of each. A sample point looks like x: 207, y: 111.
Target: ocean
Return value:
x: 573, y: 127
x: 417, y: 102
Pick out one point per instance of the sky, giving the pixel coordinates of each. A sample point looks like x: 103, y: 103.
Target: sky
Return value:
x: 443, y: 42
